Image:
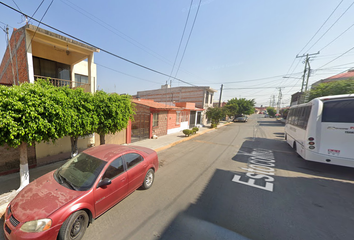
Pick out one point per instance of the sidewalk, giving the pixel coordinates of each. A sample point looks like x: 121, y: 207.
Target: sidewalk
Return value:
x: 9, y: 183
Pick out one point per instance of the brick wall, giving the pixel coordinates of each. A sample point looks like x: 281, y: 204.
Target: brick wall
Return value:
x: 19, y: 60
x: 172, y: 119
x: 161, y: 129
x: 178, y: 94
x: 10, y: 158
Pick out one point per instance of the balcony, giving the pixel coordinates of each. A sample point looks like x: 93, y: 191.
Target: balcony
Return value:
x: 62, y: 82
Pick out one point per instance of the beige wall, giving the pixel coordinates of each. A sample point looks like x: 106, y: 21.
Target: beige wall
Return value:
x: 118, y: 138
x: 61, y: 149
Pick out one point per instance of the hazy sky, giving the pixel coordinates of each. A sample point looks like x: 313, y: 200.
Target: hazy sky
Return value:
x: 249, y: 45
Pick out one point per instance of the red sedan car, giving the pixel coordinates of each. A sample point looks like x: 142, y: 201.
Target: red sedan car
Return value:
x: 62, y: 203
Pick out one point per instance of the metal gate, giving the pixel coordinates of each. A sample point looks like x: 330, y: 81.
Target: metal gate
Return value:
x: 192, y: 119
x: 141, y: 127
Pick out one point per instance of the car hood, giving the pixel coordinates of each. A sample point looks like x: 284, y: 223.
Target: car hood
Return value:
x: 41, y: 198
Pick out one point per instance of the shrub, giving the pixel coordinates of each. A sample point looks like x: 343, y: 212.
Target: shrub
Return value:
x: 195, y: 129
x: 187, y: 132
x: 214, y: 125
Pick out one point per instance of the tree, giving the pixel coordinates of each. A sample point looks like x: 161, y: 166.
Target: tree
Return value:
x: 31, y: 113
x: 235, y: 107
x: 271, y: 111
x: 81, y: 109
x: 332, y: 88
x: 214, y: 115
x: 113, y: 112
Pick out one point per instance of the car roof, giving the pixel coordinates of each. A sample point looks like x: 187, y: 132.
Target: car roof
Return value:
x: 108, y: 151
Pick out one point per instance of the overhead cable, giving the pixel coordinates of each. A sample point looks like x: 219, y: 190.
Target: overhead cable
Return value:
x: 103, y: 50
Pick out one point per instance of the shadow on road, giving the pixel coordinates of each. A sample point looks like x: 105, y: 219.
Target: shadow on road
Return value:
x: 314, y: 202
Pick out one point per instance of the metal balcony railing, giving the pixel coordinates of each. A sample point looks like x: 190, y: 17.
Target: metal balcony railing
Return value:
x: 62, y: 82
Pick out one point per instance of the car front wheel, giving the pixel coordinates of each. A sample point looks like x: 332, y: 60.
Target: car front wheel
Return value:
x: 74, y: 226
x: 149, y: 179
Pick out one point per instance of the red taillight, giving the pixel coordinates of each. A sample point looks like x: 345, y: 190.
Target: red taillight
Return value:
x: 311, y: 143
x: 311, y: 139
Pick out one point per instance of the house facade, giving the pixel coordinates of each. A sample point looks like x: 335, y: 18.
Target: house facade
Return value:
x: 35, y: 53
x: 158, y: 119
x: 201, y: 96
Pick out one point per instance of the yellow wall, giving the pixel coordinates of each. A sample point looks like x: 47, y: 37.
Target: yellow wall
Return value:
x: 62, y: 146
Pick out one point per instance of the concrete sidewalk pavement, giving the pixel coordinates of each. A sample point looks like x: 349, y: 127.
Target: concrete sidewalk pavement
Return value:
x: 9, y: 183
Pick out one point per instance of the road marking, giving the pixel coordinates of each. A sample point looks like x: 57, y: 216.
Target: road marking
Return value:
x: 259, y: 168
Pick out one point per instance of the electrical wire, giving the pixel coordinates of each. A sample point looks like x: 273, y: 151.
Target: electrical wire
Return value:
x: 331, y: 26
x: 321, y: 26
x: 180, y: 42
x: 190, y: 33
x: 103, y: 50
x: 39, y: 23
x: 125, y: 73
x: 337, y: 37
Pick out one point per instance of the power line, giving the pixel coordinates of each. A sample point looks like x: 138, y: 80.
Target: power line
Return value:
x: 190, y: 33
x: 180, y: 42
x: 337, y: 37
x: 336, y: 58
x: 321, y: 27
x: 103, y: 50
x: 39, y: 23
x: 331, y: 26
x: 125, y: 73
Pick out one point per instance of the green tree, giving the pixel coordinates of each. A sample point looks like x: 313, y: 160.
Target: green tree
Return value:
x: 271, y: 111
x: 31, y: 113
x: 332, y: 88
x: 214, y: 115
x: 81, y: 109
x: 235, y: 107
x: 113, y: 112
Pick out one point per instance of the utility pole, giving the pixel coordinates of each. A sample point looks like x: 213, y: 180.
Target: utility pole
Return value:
x: 307, y: 70
x: 279, y: 100
x: 222, y: 85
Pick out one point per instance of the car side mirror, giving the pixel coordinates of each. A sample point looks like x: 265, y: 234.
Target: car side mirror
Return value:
x: 104, y: 182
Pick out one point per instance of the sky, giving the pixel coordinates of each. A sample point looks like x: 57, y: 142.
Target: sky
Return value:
x: 251, y: 47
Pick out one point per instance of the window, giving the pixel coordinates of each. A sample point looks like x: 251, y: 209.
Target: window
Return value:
x: 81, y: 79
x: 155, y: 119
x: 206, y: 97
x: 114, y: 169
x: 132, y: 159
x: 299, y: 116
x: 178, y: 117
x: 211, y: 98
x: 47, y: 68
x: 338, y: 111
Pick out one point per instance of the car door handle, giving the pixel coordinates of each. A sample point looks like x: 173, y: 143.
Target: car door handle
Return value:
x: 123, y: 179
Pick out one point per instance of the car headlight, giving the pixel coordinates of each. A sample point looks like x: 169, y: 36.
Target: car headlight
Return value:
x: 37, y: 225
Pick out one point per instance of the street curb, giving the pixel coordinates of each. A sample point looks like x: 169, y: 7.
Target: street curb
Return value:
x: 187, y: 138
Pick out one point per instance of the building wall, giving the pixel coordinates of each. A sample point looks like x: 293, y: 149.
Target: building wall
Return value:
x: 172, y: 127
x: 48, y: 152
x: 196, y: 95
x: 161, y: 129
x: 19, y: 60
x: 178, y: 94
x: 10, y: 158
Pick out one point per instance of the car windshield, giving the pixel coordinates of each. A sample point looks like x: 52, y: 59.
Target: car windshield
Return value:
x: 80, y: 172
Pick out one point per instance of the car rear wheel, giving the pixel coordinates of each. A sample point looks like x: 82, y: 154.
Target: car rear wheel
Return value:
x: 149, y: 179
x: 74, y: 226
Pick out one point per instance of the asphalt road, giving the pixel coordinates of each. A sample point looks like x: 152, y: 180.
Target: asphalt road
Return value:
x: 241, y: 181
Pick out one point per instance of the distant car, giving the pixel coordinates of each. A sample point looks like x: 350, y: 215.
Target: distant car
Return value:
x: 62, y: 203
x: 241, y: 119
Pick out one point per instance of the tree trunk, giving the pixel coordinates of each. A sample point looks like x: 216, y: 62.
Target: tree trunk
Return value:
x: 24, y: 172
x: 74, y: 150
x: 102, y: 139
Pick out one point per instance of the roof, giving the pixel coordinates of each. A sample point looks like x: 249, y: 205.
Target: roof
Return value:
x: 349, y: 74
x: 42, y: 31
x: 156, y: 105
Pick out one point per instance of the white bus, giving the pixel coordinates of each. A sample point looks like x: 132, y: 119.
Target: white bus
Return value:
x: 322, y: 130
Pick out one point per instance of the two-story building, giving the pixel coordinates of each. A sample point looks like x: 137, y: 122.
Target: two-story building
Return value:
x: 202, y: 96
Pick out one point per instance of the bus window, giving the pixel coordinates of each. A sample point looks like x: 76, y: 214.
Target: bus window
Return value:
x: 338, y: 111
